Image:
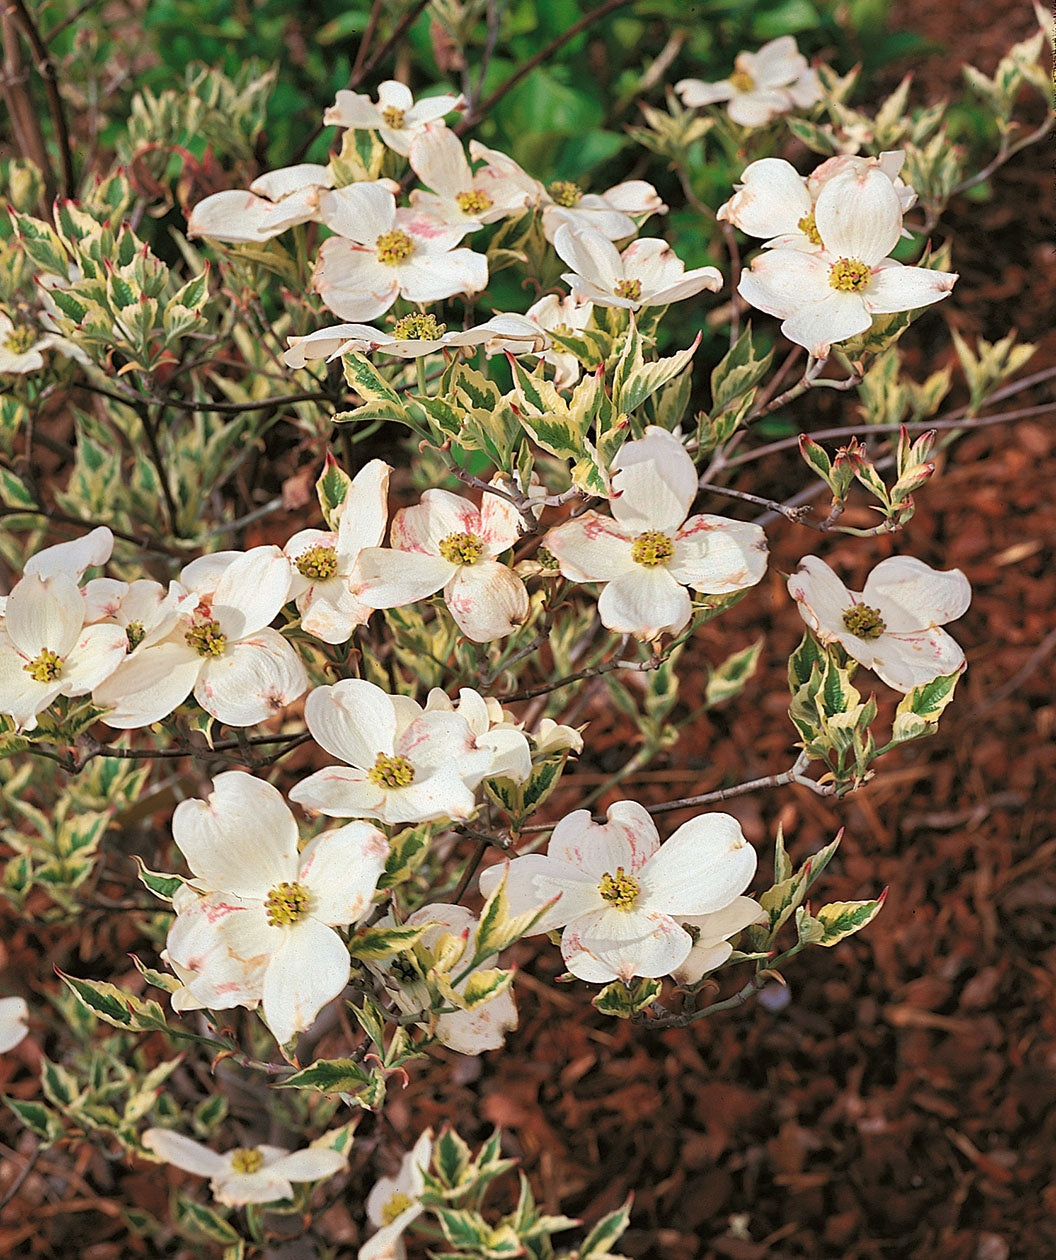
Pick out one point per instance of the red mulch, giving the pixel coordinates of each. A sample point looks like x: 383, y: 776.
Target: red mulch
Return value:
x: 901, y: 1104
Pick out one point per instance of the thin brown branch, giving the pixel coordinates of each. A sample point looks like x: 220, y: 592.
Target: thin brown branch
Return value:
x: 46, y: 70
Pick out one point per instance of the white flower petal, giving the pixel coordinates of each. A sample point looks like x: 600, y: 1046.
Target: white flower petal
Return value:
x: 340, y: 792
x: 252, y: 681
x: 93, y: 658
x: 716, y: 556
x: 184, y: 1152
x: 646, y: 604
x: 275, y: 185
x: 364, y: 511
x: 535, y: 879
x: 782, y: 281
x: 353, y: 720
x: 13, y: 1015
x: 897, y: 288
x: 771, y: 199
x: 44, y: 614
x: 591, y: 255
x: 72, y: 557
x: 695, y: 93
x: 484, y: 1028
x: 235, y: 216
x: 487, y: 600
x: 391, y: 578
x: 233, y: 1189
x: 251, y: 591
x: 700, y: 869
x: 905, y: 661
x: 654, y: 483
x: 352, y: 282
x: 148, y: 685
x: 341, y: 869
x: 625, y: 944
x: 820, y: 325
x: 858, y: 215
x: 911, y: 595
x: 591, y: 548
x: 312, y: 1163
x: 627, y: 838
x: 241, y: 840
x: 821, y: 596
x: 309, y: 970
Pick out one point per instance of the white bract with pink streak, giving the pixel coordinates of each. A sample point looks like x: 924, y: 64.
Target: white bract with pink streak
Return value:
x: 466, y: 1031
x: 648, y: 553
x: 446, y: 543
x: 393, y: 1203
x: 221, y: 647
x: 326, y: 582
x: 764, y: 84
x: 247, y: 1174
x: 826, y: 295
x: 270, y: 906
x: 395, y: 116
x: 403, y: 764
x: 774, y: 202
x: 892, y: 626
x: 622, y: 896
x: 382, y: 253
x: 647, y: 273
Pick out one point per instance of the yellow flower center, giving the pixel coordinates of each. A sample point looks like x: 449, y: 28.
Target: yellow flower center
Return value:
x: 565, y: 193
x: 394, y: 247
x: 317, y: 563
x: 621, y: 890
x: 418, y: 328
x: 864, y: 622
x: 461, y: 548
x: 742, y: 81
x: 45, y: 668
x: 473, y: 201
x: 391, y: 772
x: 393, y: 117
x: 809, y: 228
x: 849, y: 275
x: 286, y: 903
x: 629, y: 289
x: 207, y: 638
x: 396, y: 1206
x: 20, y: 339
x: 247, y: 1159
x: 652, y: 549
x: 135, y: 634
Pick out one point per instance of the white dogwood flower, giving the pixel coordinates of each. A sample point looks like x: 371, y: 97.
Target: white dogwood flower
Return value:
x: 711, y: 933
x: 647, y: 273
x: 248, y: 1174
x: 144, y: 609
x: 382, y: 253
x: 222, y: 648
x: 211, y: 976
x: 457, y: 195
x: 393, y: 1203
x: 622, y: 895
x: 764, y: 84
x: 413, y: 336
x: 493, y: 729
x: 395, y: 116
x: 22, y: 347
x: 648, y: 553
x: 467, y: 1032
x: 499, y: 169
x: 445, y: 542
x: 774, y: 202
x: 892, y: 626
x: 827, y: 295
x: 268, y: 902
x: 616, y: 213
x: 326, y: 582
x: 402, y: 764
x: 73, y: 557
x: 13, y: 1027
x: 47, y: 651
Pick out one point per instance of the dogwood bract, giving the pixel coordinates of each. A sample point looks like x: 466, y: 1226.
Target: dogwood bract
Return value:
x: 647, y: 273
x: 326, y: 582
x: 247, y: 1174
x: 648, y: 552
x: 892, y: 625
x: 711, y: 933
x: 222, y: 648
x: 622, y: 895
x: 468, y: 1032
x: 267, y: 901
x: 616, y: 213
x: 13, y: 1027
x: 446, y: 542
x: 395, y: 116
x: 404, y: 764
x: 393, y: 1203
x: 764, y: 84
x: 832, y: 293
x: 383, y: 253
